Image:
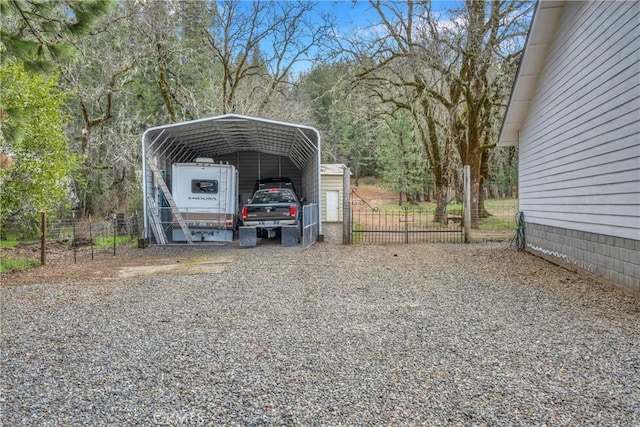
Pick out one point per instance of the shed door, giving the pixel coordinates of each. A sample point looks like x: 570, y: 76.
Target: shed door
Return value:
x: 333, y: 197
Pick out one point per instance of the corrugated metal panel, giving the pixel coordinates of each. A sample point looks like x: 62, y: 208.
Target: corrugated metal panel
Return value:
x: 248, y: 167
x: 253, y: 165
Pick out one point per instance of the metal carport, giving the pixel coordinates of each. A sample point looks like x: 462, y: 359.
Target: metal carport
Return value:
x: 257, y: 147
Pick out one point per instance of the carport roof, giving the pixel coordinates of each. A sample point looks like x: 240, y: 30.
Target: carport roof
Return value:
x: 231, y: 133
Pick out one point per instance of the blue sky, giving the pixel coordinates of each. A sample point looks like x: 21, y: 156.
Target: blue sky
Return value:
x: 351, y: 16
x: 360, y: 14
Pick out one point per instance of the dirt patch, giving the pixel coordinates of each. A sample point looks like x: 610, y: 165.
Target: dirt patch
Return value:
x: 128, y: 262
x: 190, y: 266
x: 374, y: 195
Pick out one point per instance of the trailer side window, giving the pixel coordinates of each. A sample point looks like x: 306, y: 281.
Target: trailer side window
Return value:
x: 204, y: 186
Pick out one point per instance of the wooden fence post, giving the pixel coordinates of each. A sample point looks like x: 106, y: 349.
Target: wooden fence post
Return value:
x: 43, y: 238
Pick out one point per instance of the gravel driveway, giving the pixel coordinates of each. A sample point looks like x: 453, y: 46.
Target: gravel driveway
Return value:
x: 335, y: 335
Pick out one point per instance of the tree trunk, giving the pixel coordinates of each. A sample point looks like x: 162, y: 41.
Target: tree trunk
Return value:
x: 441, y: 204
x: 357, y: 171
x: 484, y: 174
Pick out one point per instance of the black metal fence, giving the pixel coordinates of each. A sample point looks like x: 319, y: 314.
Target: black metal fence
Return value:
x: 375, y: 222
x: 403, y: 225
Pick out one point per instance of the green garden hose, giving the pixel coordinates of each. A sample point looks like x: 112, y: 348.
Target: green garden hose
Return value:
x: 518, y: 240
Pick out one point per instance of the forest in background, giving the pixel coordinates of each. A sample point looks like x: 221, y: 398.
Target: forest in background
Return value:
x: 407, y: 100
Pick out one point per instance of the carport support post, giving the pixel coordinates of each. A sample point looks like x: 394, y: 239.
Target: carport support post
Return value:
x: 467, y: 203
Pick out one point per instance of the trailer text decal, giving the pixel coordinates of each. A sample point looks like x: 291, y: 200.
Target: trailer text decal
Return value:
x: 201, y: 198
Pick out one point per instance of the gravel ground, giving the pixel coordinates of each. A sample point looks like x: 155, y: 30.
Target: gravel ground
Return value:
x: 335, y: 335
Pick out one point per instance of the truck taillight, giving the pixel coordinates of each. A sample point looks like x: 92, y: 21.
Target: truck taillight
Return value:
x: 229, y: 223
x: 292, y: 211
x: 244, y: 212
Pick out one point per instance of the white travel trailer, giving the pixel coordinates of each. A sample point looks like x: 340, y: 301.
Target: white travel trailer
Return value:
x: 257, y: 147
x: 206, y: 195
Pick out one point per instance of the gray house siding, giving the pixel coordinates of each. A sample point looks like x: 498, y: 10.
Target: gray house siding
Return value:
x: 579, y: 145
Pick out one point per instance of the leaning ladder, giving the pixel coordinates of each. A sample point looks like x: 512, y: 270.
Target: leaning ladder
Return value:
x: 167, y: 195
x: 156, y: 225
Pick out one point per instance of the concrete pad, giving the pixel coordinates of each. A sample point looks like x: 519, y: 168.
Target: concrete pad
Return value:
x: 290, y: 235
x: 248, y: 236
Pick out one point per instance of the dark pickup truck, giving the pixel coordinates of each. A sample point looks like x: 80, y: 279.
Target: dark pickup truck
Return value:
x: 271, y: 208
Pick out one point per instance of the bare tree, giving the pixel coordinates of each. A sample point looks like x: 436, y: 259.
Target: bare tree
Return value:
x: 486, y: 37
x: 165, y: 33
x: 98, y: 84
x: 395, y: 70
x: 450, y: 68
x: 258, y: 44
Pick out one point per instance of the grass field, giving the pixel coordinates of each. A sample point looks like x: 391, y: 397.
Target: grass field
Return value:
x: 107, y: 242
x: 8, y: 243
x: 7, y: 264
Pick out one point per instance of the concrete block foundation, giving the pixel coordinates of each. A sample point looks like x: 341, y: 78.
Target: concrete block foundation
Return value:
x: 614, y: 259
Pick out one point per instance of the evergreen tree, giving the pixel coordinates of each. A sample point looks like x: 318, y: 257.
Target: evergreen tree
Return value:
x: 39, y: 33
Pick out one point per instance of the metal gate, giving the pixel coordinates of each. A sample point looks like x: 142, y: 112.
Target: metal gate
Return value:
x: 404, y: 224
x: 310, y: 224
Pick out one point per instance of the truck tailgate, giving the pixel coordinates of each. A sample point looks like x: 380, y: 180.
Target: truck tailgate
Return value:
x: 270, y: 212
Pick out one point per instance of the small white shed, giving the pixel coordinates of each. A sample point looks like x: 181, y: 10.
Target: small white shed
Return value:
x: 574, y: 114
x: 332, y: 179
